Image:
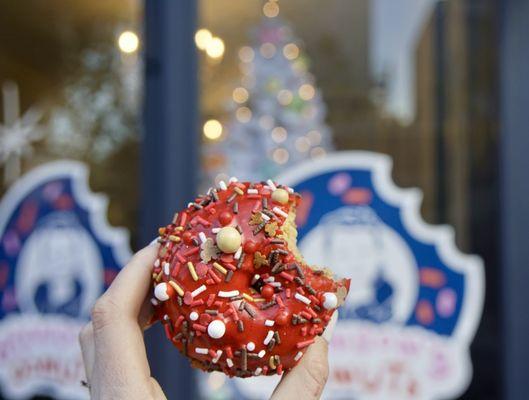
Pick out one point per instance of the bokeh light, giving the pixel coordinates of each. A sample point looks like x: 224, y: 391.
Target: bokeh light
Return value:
x: 246, y: 54
x: 284, y: 97
x: 302, y: 144
x: 306, y: 91
x: 212, y: 129
x: 243, y: 114
x: 202, y: 38
x: 267, y: 50
x: 215, y: 48
x: 318, y: 152
x: 280, y: 155
x: 314, y: 137
x: 279, y: 134
x: 291, y: 51
x: 271, y: 9
x: 240, y: 95
x: 128, y: 42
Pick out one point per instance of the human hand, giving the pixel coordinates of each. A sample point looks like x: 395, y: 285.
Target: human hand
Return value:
x: 114, y: 353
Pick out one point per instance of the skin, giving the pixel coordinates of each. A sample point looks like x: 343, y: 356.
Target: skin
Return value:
x: 114, y: 353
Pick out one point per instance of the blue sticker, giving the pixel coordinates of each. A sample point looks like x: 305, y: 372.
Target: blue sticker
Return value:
x: 57, y: 255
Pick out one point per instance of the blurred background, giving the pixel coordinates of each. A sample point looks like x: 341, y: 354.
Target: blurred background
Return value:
x: 161, y: 99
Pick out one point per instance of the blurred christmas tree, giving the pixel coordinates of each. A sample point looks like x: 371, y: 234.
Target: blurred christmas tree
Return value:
x: 276, y: 115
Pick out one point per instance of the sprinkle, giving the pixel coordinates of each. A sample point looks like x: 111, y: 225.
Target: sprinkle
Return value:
x: 250, y: 346
x: 269, y: 322
x: 166, y: 269
x: 198, y: 327
x: 192, y: 270
x: 279, y: 211
x: 271, y: 184
x: 255, y: 279
x: 261, y: 353
x: 211, y: 299
x: 244, y: 357
x: 240, y: 326
x: 302, y: 298
x: 154, y: 302
x: 231, y: 198
x: 202, y: 237
x: 193, y: 316
x: 238, y: 190
x: 269, y: 337
x: 276, y: 337
x: 199, y: 290
x: 219, y: 268
x: 305, y: 343
x: 241, y: 260
x: 222, y: 185
x: 201, y: 350
x: 235, y: 208
x: 229, y: 362
x: 191, y: 251
x: 174, y: 238
x: 214, y: 276
x: 216, y: 230
x: 233, y: 179
x: 271, y: 344
x: 252, y: 191
x: 177, y: 288
x: 265, y: 217
x: 286, y: 275
x: 157, y: 263
x: 217, y: 357
x: 231, y: 293
x: 229, y: 275
x: 298, y: 356
x: 248, y: 297
x: 258, y: 371
x: 215, y: 195
x: 238, y: 253
x: 249, y: 310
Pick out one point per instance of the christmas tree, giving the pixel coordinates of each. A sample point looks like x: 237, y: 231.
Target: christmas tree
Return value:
x: 276, y: 115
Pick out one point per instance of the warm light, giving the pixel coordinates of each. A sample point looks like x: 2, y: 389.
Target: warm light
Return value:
x: 128, y: 42
x: 314, y: 137
x: 280, y: 155
x: 302, y: 144
x: 291, y: 51
x: 216, y: 380
x: 306, y: 91
x: 284, y: 97
x: 240, y: 95
x: 267, y: 50
x: 271, y: 9
x: 266, y: 122
x: 279, y: 134
x: 246, y: 54
x: 212, y: 129
x: 318, y: 152
x: 202, y: 38
x: 243, y: 114
x: 215, y: 47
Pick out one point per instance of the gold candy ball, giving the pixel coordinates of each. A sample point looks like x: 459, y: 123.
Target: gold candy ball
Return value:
x: 280, y: 195
x: 228, y: 239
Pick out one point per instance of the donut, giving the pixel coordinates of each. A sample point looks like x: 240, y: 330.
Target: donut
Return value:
x: 230, y: 286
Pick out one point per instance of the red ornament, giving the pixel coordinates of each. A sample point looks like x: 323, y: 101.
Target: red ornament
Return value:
x: 250, y: 247
x: 225, y: 218
x: 267, y: 292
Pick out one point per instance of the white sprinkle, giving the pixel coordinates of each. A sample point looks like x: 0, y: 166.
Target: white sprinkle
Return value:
x: 231, y: 293
x: 269, y: 279
x: 250, y: 346
x: 290, y: 190
x: 209, y: 191
x: 216, y: 230
x: 252, y: 191
x: 266, y: 187
x: 271, y: 184
x: 189, y: 204
x: 202, y: 237
x: 298, y: 356
x: 193, y: 316
x: 261, y: 354
x: 233, y: 179
x: 265, y: 217
x: 166, y: 269
x: 217, y: 357
x: 157, y: 262
x: 279, y: 211
x: 275, y: 284
x: 229, y: 362
x: 222, y: 185
x: 198, y: 290
x: 268, y: 337
x: 258, y: 371
x: 269, y: 322
x: 166, y: 317
x: 302, y: 298
x: 154, y: 302
x: 238, y: 253
x: 201, y: 350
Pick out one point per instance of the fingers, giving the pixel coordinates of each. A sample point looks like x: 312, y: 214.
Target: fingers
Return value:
x: 120, y: 368
x: 86, y: 340
x: 308, y: 378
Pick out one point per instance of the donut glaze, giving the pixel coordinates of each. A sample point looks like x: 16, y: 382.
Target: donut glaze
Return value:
x: 230, y: 286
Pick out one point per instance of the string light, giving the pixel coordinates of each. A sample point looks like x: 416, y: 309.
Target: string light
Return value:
x: 215, y: 48
x: 314, y: 137
x: 243, y: 114
x: 240, y: 95
x: 271, y: 9
x: 302, y: 144
x: 318, y: 152
x: 280, y: 155
x: 284, y: 97
x: 267, y: 50
x: 202, y: 38
x: 128, y: 42
x: 306, y: 91
x: 212, y: 129
x: 246, y: 54
x: 291, y: 51
x: 279, y: 134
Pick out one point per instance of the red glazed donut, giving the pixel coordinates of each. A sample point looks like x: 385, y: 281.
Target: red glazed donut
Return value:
x: 231, y: 288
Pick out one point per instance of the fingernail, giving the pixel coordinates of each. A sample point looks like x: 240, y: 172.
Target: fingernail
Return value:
x: 327, y: 334
x: 154, y: 242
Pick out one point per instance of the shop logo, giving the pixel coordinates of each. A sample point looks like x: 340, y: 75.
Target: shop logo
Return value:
x: 57, y: 255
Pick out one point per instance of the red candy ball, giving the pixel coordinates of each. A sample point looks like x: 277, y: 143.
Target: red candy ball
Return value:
x: 225, y: 218
x: 267, y: 292
x: 250, y: 247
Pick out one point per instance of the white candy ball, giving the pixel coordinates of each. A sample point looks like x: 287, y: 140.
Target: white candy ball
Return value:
x: 160, y: 291
x: 280, y: 195
x: 216, y: 329
x: 228, y: 239
x: 250, y: 346
x: 330, y: 301
x: 193, y: 316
